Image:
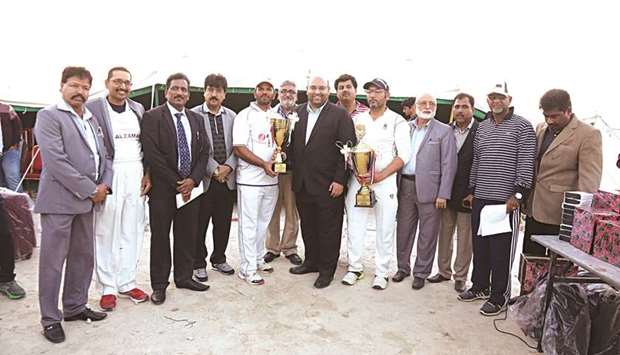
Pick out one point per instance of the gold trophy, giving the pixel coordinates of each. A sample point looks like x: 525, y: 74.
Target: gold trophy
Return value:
x: 280, y: 133
x: 363, y: 158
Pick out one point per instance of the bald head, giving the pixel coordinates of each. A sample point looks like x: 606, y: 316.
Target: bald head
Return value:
x: 318, y: 91
x: 426, y: 106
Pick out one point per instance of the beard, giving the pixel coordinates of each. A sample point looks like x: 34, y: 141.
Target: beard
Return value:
x: 498, y: 110
x: 426, y: 115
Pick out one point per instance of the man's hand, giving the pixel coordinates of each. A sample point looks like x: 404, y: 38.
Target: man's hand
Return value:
x: 379, y: 176
x: 267, y: 166
x: 335, y: 189
x: 185, y: 186
x: 222, y: 172
x: 186, y: 196
x: 101, y: 192
x: 440, y: 203
x: 511, y: 204
x: 468, y: 201
x: 363, y: 178
x: 145, y: 185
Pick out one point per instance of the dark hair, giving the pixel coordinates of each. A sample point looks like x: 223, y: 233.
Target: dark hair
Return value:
x: 111, y: 71
x: 462, y: 96
x: 343, y: 78
x: 216, y: 81
x: 177, y: 76
x: 408, y: 102
x: 79, y: 72
x: 557, y: 99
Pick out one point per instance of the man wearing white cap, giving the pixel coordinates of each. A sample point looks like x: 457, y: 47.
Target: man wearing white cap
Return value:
x: 387, y: 134
x: 257, y: 183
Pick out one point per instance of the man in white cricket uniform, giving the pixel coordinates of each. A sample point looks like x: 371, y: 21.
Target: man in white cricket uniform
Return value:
x: 257, y: 183
x: 119, y: 223
x: 387, y: 133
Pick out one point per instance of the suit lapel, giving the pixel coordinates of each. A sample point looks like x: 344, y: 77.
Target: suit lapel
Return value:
x: 318, y: 122
x: 107, y: 122
x: 208, y: 125
x: 169, y: 124
x: 566, y: 133
x: 97, y: 136
x: 427, y: 136
x: 302, y: 125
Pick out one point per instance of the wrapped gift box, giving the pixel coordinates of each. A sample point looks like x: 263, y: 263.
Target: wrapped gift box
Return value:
x: 578, y: 198
x: 607, y: 201
x: 565, y: 232
x: 584, y: 224
x: 533, y: 268
x: 606, y: 245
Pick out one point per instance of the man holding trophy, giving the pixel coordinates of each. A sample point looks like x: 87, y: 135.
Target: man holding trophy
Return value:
x: 383, y: 148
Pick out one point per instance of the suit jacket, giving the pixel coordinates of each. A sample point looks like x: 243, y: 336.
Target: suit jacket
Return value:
x: 99, y: 109
x: 435, y: 163
x: 11, y: 127
x: 319, y: 163
x: 159, y: 143
x: 465, y: 158
x: 69, y: 177
x: 573, y: 161
x: 228, y: 117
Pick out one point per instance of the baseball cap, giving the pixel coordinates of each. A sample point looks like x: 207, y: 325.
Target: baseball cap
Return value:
x: 499, y: 88
x: 265, y: 81
x: 380, y: 83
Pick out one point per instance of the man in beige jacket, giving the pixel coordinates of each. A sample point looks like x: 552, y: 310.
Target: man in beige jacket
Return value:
x: 569, y: 158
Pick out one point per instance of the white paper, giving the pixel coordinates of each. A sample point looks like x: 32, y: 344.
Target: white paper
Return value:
x: 494, y: 220
x: 196, y: 191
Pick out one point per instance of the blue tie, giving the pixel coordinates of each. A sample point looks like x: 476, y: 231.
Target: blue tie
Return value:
x: 184, y: 159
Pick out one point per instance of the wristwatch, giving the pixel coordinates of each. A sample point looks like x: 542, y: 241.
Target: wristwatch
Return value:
x: 518, y: 196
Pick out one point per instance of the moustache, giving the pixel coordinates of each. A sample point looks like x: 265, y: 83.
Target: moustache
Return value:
x: 178, y: 97
x: 78, y: 96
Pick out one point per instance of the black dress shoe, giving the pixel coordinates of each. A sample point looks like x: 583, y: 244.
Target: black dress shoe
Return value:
x: 418, y: 283
x: 323, y: 281
x: 302, y: 269
x: 459, y: 286
x: 192, y: 285
x: 294, y: 259
x: 54, y: 333
x: 399, y: 276
x: 269, y: 257
x: 158, y: 296
x: 437, y: 278
x: 87, y: 314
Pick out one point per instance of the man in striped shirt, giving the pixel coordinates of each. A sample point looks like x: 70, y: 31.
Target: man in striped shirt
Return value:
x: 501, y: 173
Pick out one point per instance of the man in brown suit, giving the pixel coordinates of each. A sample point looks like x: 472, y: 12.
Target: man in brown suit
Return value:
x: 569, y: 157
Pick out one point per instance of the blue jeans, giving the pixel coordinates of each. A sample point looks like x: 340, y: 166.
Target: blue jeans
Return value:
x: 9, y: 166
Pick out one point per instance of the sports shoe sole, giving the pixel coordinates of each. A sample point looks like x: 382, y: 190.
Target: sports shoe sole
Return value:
x: 230, y: 272
x: 259, y: 283
x: 134, y: 300
x: 359, y: 277
x: 477, y: 298
x: 491, y: 314
x: 12, y: 296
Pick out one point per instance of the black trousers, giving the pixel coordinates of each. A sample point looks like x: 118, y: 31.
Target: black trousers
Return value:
x: 533, y: 227
x: 7, y: 248
x: 163, y: 213
x: 493, y: 256
x: 321, y: 230
x: 216, y: 205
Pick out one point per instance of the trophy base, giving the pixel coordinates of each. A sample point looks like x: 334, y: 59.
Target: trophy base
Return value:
x: 365, y: 198
x: 279, y: 168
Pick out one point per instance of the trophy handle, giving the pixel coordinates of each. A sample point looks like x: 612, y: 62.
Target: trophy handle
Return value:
x: 283, y: 155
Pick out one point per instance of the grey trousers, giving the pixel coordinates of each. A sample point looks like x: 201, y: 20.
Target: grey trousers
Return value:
x: 286, y: 200
x: 410, y: 213
x: 66, y: 240
x: 452, y: 220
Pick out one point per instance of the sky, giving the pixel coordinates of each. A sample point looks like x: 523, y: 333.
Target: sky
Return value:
x: 417, y: 46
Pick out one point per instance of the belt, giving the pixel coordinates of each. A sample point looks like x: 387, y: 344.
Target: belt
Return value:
x: 408, y: 177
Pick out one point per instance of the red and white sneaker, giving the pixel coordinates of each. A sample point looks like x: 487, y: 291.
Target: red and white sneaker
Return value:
x: 136, y: 295
x: 107, y: 303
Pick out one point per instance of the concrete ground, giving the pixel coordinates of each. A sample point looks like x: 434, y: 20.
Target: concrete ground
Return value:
x: 284, y: 316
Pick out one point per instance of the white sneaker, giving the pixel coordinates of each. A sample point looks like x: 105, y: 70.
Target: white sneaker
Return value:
x: 380, y: 283
x: 253, y: 279
x: 264, y: 267
x: 351, y: 277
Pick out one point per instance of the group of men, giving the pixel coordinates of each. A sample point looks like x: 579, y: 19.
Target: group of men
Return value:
x: 102, y: 157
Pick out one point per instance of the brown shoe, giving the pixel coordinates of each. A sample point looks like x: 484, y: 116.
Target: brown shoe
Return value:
x: 459, y: 286
x: 399, y: 276
x: 437, y: 278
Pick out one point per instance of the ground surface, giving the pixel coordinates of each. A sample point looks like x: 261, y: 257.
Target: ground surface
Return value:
x: 284, y: 316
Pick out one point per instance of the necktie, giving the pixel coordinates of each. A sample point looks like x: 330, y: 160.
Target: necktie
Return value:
x: 184, y: 159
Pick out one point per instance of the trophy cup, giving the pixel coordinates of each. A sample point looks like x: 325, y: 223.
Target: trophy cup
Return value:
x: 280, y: 134
x: 363, y: 158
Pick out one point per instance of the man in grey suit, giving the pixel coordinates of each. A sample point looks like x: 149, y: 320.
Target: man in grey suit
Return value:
x: 119, y: 223
x: 425, y: 186
x: 217, y: 202
x: 76, y: 176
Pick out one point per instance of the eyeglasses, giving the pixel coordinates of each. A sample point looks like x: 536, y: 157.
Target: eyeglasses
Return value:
x: 288, y: 92
x: 119, y: 82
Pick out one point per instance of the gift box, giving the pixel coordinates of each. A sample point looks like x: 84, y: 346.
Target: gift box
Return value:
x: 533, y: 268
x: 607, y: 201
x: 565, y: 232
x: 584, y: 224
x: 578, y: 198
x: 606, y: 245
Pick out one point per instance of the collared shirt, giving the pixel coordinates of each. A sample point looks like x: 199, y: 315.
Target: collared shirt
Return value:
x: 387, y: 135
x: 417, y: 136
x: 186, y: 127
x: 85, y: 125
x: 359, y: 108
x: 313, y: 116
x: 461, y: 134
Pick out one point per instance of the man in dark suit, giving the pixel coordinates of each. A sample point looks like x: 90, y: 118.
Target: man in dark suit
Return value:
x: 175, y: 149
x: 458, y: 214
x: 319, y: 176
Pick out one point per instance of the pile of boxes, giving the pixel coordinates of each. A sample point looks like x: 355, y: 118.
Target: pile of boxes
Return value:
x: 572, y: 200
